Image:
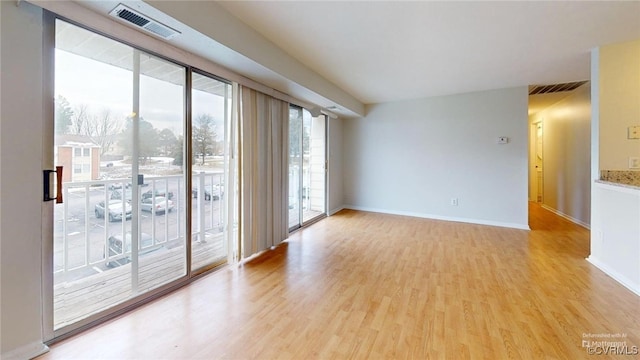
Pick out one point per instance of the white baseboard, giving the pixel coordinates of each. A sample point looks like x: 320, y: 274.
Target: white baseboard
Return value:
x: 28, y: 351
x: 439, y: 217
x: 623, y: 280
x: 568, y: 217
x: 336, y: 210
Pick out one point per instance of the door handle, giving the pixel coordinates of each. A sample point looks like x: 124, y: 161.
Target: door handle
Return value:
x: 46, y: 174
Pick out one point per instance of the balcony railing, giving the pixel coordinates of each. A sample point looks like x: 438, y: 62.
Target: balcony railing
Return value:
x: 92, y: 251
x: 96, y: 211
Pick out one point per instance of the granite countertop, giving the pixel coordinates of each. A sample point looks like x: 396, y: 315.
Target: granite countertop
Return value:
x: 625, y: 178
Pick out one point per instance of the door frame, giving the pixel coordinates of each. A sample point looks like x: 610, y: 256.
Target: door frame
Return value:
x: 48, y: 158
x: 536, y: 178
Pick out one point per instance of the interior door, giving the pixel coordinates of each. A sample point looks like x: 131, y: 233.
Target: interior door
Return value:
x: 538, y: 156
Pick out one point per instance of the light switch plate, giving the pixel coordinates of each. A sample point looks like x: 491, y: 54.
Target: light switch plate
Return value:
x: 633, y: 132
x: 634, y: 162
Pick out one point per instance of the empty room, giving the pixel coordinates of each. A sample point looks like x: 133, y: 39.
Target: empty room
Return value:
x: 319, y: 179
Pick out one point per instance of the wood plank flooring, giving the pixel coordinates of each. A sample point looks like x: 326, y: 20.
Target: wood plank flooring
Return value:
x: 372, y: 286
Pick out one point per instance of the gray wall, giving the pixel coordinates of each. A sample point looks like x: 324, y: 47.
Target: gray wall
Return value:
x: 334, y: 190
x: 412, y: 157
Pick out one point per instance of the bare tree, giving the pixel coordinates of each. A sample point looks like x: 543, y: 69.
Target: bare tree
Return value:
x: 80, y: 120
x: 104, y: 130
x: 204, y: 136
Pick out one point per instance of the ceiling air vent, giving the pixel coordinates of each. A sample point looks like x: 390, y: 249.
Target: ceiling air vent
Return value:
x: 140, y: 20
x: 546, y: 89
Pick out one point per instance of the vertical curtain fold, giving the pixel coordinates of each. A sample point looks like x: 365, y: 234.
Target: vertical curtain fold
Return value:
x: 264, y: 125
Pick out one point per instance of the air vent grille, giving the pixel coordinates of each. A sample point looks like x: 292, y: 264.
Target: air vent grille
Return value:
x: 140, y: 20
x: 546, y: 89
x: 132, y: 18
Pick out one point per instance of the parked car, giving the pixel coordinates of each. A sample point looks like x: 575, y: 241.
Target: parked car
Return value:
x: 118, y: 194
x: 159, y: 205
x: 207, y: 193
x: 158, y: 191
x: 119, y: 185
x: 114, y: 209
x: 218, y: 191
x: 116, y: 248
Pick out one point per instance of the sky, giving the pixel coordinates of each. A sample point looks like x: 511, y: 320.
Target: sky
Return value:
x: 100, y: 86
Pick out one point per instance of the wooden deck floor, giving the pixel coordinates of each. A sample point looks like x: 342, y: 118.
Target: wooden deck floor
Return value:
x: 80, y: 298
x: 373, y: 286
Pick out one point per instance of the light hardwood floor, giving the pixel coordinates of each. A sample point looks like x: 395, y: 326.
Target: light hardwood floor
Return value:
x: 368, y: 286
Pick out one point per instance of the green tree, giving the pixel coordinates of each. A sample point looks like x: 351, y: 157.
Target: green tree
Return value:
x: 177, y: 151
x: 63, y: 115
x: 147, y: 142
x: 204, y: 136
x: 166, y: 141
x: 296, y: 129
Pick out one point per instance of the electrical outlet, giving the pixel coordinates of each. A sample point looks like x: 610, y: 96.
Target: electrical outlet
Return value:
x: 454, y: 201
x: 634, y: 162
x: 503, y: 140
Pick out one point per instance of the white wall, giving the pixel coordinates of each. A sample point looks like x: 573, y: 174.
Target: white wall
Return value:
x: 615, y: 210
x: 334, y: 191
x: 619, y: 103
x: 615, y: 235
x: 21, y: 180
x: 412, y: 157
x: 566, y: 156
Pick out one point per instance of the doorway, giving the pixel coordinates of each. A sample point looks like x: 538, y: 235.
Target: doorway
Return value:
x: 537, y: 161
x: 307, y: 166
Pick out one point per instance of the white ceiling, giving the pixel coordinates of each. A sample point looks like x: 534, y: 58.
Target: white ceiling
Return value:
x: 389, y: 51
x: 347, y: 54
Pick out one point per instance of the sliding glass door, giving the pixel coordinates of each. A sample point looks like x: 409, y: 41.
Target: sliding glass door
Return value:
x: 210, y: 135
x: 307, y: 166
x: 119, y: 125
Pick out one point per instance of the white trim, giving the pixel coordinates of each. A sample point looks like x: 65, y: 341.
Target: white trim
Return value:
x: 623, y: 280
x: 568, y: 217
x: 335, y: 211
x: 439, y: 217
x: 28, y: 351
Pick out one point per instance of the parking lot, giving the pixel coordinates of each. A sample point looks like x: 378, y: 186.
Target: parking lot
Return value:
x: 86, y: 234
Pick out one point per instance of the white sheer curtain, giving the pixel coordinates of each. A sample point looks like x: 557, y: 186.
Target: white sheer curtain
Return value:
x: 263, y: 175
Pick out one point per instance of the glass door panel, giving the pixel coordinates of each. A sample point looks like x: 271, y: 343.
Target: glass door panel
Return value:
x: 314, y: 175
x: 162, y: 199
x: 211, y: 101
x: 295, y: 167
x: 307, y: 166
x: 119, y: 113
